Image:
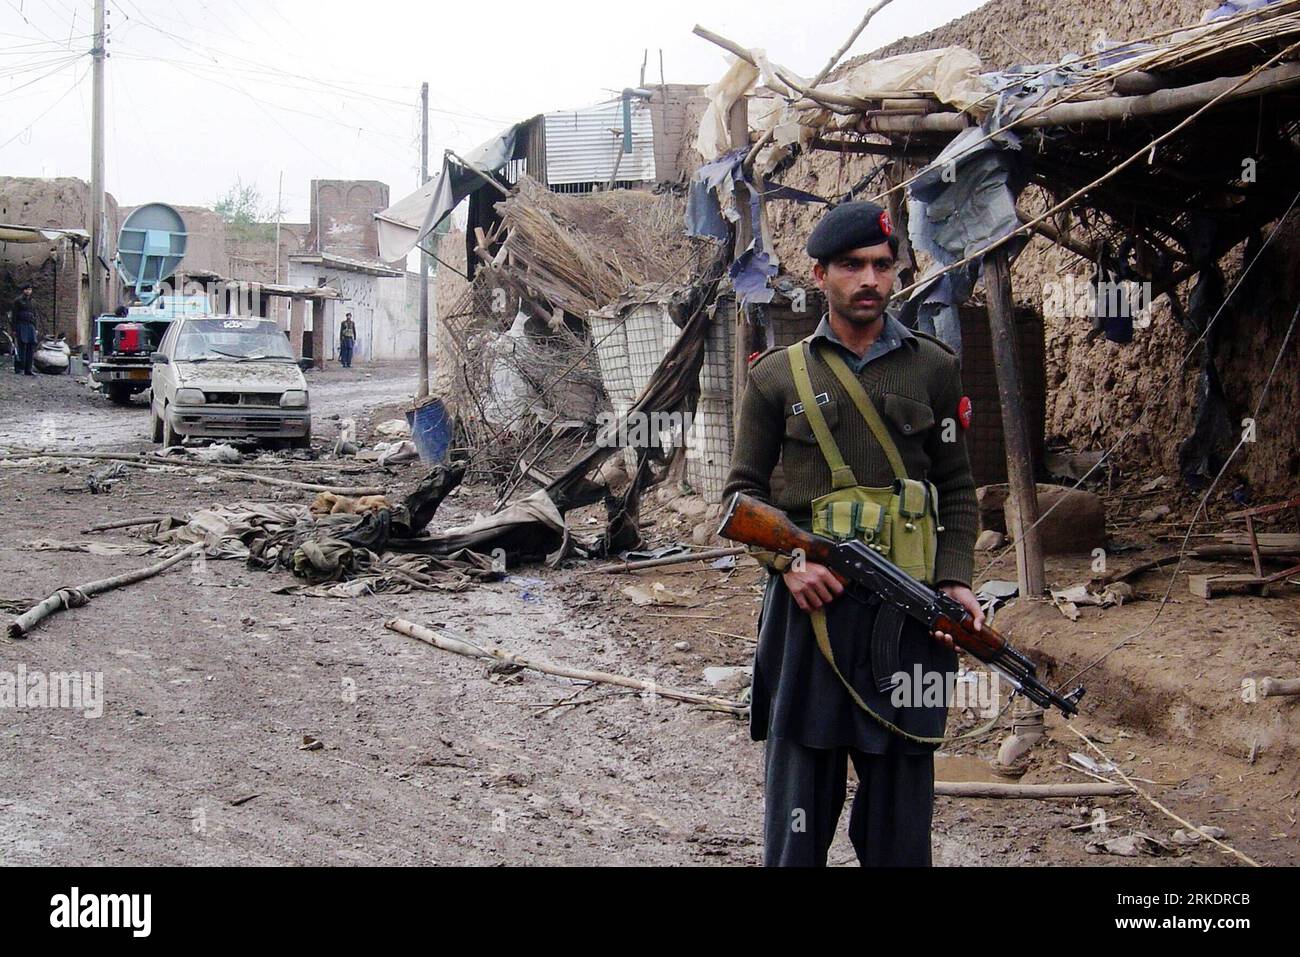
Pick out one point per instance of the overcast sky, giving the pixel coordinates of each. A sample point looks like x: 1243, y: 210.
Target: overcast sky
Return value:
x: 200, y: 92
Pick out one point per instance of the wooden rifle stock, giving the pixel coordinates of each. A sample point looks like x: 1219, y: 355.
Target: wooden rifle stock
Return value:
x: 756, y: 523
x: 751, y: 522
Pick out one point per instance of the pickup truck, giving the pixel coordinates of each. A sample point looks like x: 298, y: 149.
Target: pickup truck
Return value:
x: 120, y: 349
x: 227, y: 377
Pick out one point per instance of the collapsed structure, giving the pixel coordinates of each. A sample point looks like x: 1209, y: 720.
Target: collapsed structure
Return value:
x: 1101, y: 153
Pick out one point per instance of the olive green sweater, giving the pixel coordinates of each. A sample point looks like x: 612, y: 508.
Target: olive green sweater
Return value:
x: 916, y: 387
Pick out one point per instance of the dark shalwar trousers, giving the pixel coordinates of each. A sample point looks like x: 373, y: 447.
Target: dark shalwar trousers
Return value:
x: 804, y: 790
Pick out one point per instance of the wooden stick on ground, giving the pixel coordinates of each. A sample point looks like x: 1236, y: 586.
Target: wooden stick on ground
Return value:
x: 124, y: 523
x: 670, y: 560
x: 1157, y: 805
x: 78, y: 596
x: 993, y: 789
x: 351, y: 491
x: 149, y: 459
x: 459, y: 646
x: 229, y: 471
x: 1275, y: 687
x: 309, y: 486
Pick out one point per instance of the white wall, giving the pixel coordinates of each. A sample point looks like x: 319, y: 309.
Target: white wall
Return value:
x: 385, y: 309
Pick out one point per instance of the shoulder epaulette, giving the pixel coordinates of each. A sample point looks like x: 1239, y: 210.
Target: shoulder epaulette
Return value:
x: 759, y: 357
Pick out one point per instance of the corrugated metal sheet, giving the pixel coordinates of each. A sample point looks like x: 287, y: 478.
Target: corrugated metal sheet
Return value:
x: 583, y: 145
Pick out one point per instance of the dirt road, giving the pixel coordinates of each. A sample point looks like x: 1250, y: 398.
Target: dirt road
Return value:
x: 215, y: 688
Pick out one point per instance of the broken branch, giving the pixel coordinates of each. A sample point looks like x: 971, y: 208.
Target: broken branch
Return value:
x: 670, y: 560
x: 78, y: 596
x: 461, y: 647
x: 993, y: 789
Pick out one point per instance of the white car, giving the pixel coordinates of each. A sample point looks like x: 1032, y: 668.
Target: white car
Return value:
x: 227, y: 377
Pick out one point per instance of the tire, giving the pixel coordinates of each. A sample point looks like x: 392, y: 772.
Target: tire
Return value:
x: 120, y: 394
x: 156, y: 424
x: 304, y: 442
x: 170, y: 437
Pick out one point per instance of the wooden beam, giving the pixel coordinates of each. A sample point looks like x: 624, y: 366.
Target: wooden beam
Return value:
x: 297, y: 323
x: 917, y: 152
x: 318, y: 334
x: 1015, y: 424
x: 738, y: 127
x: 1166, y: 101
x: 993, y: 789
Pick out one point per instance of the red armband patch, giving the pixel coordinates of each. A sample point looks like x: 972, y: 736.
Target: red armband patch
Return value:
x: 965, y: 411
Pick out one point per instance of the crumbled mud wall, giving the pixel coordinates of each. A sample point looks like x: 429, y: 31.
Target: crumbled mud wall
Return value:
x: 1098, y: 390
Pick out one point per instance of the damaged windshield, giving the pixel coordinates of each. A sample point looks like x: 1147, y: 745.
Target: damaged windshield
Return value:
x: 227, y: 338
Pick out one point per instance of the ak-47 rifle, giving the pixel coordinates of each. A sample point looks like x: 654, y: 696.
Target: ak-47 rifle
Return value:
x: 751, y: 522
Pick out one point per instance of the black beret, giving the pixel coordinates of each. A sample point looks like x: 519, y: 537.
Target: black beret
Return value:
x: 851, y: 226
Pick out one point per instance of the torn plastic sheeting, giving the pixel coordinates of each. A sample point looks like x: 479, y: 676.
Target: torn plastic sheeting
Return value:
x: 705, y: 212
x: 710, y: 203
x: 750, y: 274
x: 714, y: 198
x: 713, y: 135
x: 528, y: 529
x: 961, y: 203
x: 952, y: 74
x: 397, y: 573
x: 408, y: 221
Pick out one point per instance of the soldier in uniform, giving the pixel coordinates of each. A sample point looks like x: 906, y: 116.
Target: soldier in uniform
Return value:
x: 838, y: 465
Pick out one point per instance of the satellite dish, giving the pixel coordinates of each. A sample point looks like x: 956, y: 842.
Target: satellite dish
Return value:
x: 150, y: 247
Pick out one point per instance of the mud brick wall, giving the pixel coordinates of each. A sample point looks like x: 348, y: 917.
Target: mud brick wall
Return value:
x: 343, y: 217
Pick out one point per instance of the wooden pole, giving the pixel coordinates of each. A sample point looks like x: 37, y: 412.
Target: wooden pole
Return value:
x: 98, y: 244
x: 422, y: 387
x: 318, y: 333
x: 738, y: 128
x: 1015, y: 425
x: 297, y: 321
x: 993, y: 789
x: 897, y: 203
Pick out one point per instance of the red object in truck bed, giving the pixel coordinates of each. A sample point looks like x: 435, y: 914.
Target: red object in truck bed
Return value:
x: 129, y: 337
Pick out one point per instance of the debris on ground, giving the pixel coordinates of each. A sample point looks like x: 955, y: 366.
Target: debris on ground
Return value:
x: 1136, y: 844
x: 393, y: 429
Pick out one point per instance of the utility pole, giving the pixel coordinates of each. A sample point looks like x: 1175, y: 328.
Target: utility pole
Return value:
x: 279, y: 217
x: 97, y: 245
x: 423, y: 389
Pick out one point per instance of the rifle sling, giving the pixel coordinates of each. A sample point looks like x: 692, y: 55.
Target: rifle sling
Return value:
x: 818, y: 618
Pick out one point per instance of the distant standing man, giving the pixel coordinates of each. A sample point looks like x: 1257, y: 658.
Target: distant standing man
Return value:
x: 863, y: 418
x: 347, y: 339
x: 23, y: 317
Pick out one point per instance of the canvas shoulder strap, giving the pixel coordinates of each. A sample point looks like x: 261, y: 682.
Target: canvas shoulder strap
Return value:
x: 841, y: 475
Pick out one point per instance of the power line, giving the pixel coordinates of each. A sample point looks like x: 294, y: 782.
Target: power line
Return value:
x: 48, y: 109
x: 261, y: 67
x: 19, y: 10
x: 226, y: 70
x: 266, y: 105
x: 62, y: 65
